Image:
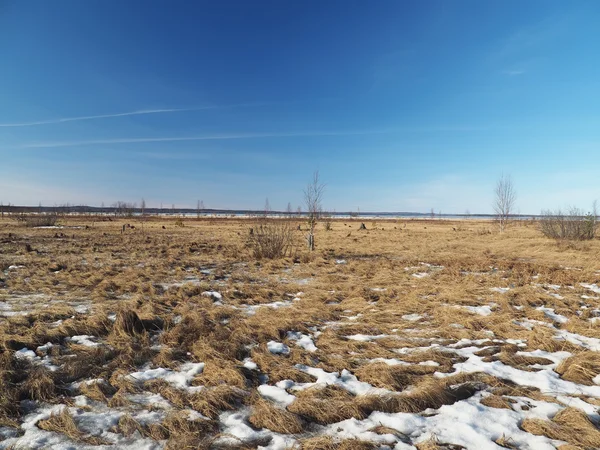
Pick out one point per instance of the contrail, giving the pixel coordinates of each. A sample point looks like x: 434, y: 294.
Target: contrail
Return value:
x: 123, y: 114
x: 214, y: 137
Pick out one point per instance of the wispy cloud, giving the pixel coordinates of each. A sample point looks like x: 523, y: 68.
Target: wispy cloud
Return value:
x: 139, y: 112
x: 214, y: 137
x: 253, y: 135
x: 513, y: 73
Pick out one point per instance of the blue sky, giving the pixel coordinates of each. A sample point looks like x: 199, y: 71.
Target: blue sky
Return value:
x: 400, y: 105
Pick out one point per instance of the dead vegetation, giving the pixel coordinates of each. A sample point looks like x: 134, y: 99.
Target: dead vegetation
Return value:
x: 393, y: 306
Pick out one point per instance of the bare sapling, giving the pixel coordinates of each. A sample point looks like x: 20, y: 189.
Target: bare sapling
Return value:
x: 313, y: 195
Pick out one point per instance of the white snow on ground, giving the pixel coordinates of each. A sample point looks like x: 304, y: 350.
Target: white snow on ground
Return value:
x: 302, y: 340
x: 30, y: 355
x: 345, y: 380
x: 586, y: 342
x: 420, y: 274
x: 98, y: 422
x: 83, y: 339
x: 216, y: 296
x: 412, y: 317
x: 235, y: 429
x: 592, y: 287
x: 467, y: 423
x: 500, y: 290
x: 180, y: 379
x: 249, y: 364
x: 340, y: 261
x: 277, y: 393
x: 366, y: 338
x: 251, y: 309
x: 549, y: 312
x: 484, y: 310
x: 547, y: 381
x: 399, y: 362
x: 278, y: 348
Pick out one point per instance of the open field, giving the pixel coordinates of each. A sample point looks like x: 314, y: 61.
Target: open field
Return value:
x: 410, y: 334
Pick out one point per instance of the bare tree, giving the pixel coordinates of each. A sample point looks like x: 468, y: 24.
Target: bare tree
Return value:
x: 143, y: 207
x: 313, y: 195
x: 267, y: 207
x: 504, y: 201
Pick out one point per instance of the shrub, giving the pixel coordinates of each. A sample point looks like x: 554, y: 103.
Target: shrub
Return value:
x: 42, y: 220
x: 573, y: 225
x: 272, y: 238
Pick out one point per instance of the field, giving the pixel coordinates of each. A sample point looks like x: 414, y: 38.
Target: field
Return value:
x: 425, y: 334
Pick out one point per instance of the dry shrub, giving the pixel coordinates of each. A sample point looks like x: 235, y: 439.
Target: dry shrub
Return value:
x: 272, y: 239
x: 63, y: 422
x: 573, y: 225
x: 41, y: 220
x: 267, y: 415
x: 325, y: 405
x: 571, y: 425
x: 580, y: 368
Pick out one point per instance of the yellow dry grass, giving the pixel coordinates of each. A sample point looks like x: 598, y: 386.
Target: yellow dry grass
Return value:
x: 144, y: 297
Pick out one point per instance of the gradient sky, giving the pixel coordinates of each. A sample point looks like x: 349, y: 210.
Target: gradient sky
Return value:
x: 401, y: 105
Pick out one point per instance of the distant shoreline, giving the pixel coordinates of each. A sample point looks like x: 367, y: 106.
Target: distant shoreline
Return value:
x: 241, y: 214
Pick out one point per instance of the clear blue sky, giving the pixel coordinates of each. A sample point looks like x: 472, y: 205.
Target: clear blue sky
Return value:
x: 401, y: 105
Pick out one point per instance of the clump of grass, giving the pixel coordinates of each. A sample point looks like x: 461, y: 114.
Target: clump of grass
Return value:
x: 497, y: 401
x: 580, y: 368
x: 328, y: 443
x: 98, y: 390
x: 267, y: 415
x: 396, y: 378
x: 63, y: 422
x: 431, y: 393
x: 571, y: 425
x: 40, y: 385
x: 210, y: 402
x: 128, y: 322
x: 325, y: 405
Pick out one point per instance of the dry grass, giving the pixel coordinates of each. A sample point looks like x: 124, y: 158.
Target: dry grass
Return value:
x: 63, y: 422
x: 267, y: 415
x: 142, y: 297
x: 580, y: 368
x: 570, y: 425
